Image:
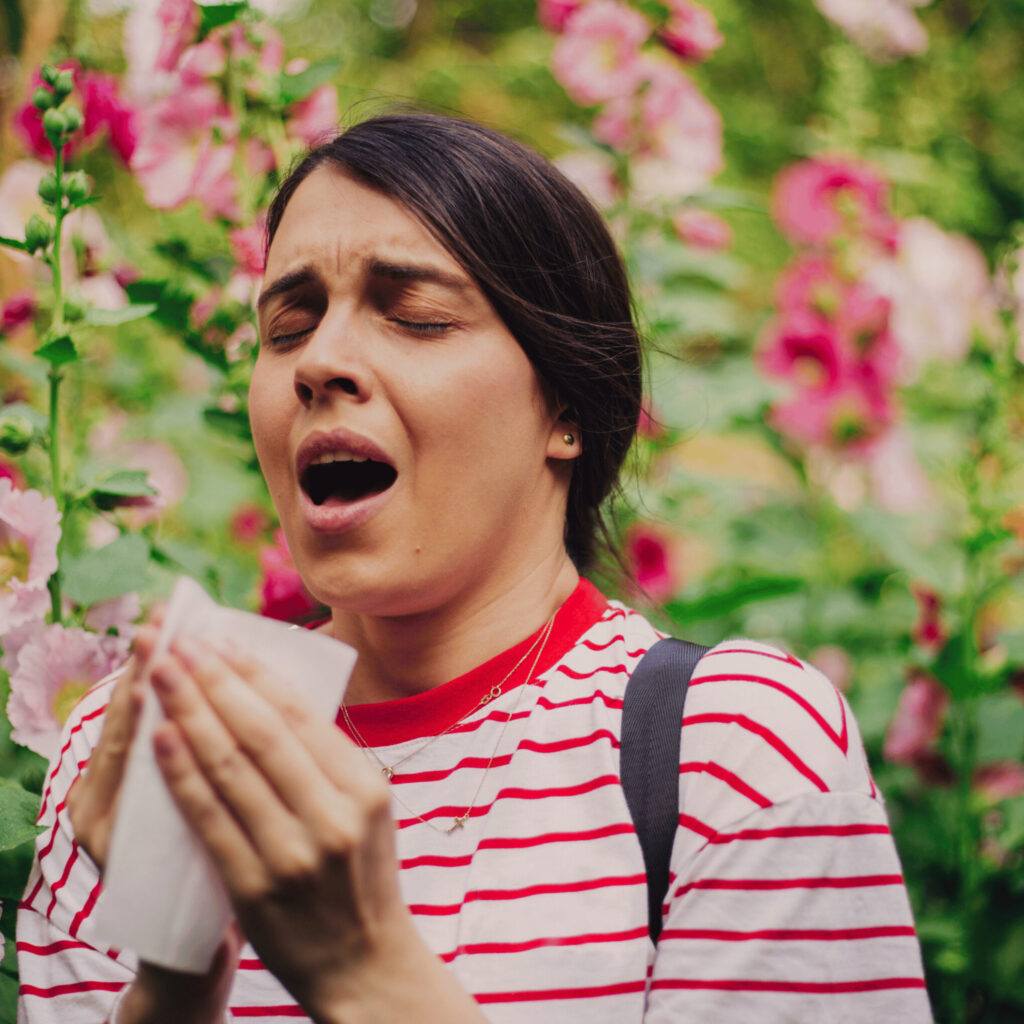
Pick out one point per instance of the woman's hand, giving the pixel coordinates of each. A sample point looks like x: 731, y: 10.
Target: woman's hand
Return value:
x: 299, y: 826
x: 92, y: 801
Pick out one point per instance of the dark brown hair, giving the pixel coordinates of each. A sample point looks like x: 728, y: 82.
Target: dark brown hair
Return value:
x: 542, y: 256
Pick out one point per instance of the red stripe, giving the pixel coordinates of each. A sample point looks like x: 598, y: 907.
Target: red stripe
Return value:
x: 750, y: 884
x: 267, y: 1011
x: 766, y: 734
x: 520, y: 996
x: 618, y: 670
x: 618, y: 639
x: 841, y: 740
x: 83, y: 914
x: 695, y: 825
x: 801, y: 831
x: 594, y: 698
x: 517, y: 793
x: 77, y: 727
x: 824, y: 987
x: 59, y: 884
x: 543, y: 889
x: 729, y: 778
x: 53, y: 947
x: 787, y: 934
x: 783, y: 656
x: 518, y: 843
x: 71, y: 987
x: 474, y: 948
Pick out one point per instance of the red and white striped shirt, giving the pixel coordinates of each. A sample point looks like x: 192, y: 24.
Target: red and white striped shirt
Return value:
x: 786, y: 900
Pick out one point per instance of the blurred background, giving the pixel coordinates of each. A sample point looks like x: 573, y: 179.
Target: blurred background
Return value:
x: 821, y: 203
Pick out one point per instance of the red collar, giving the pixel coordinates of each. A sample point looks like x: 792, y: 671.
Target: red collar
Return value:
x: 428, y: 713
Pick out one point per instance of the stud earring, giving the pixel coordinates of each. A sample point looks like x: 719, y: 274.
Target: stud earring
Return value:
x: 569, y: 439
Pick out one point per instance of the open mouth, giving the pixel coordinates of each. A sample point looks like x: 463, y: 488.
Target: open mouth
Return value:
x: 346, y: 481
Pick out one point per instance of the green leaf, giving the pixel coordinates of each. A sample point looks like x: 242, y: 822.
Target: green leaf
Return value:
x: 722, y: 601
x: 113, y: 317
x: 58, y: 352
x: 171, y: 305
x: 13, y: 243
x: 111, y: 571
x: 1000, y: 727
x: 124, y: 483
x: 212, y: 16
x: 299, y: 86
x: 233, y: 423
x: 18, y: 811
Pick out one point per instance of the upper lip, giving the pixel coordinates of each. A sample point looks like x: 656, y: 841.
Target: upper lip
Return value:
x: 339, y: 440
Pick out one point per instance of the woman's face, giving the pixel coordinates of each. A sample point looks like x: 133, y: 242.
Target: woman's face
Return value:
x: 403, y: 433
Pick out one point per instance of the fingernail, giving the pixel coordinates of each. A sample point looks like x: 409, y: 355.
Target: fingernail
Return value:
x: 161, y: 679
x: 163, y: 744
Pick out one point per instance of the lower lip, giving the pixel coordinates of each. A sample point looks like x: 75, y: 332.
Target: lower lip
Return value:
x: 339, y: 516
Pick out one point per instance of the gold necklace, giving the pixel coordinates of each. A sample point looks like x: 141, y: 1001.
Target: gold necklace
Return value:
x: 388, y: 771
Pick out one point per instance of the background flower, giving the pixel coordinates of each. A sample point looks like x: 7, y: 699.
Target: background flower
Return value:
x: 29, y: 532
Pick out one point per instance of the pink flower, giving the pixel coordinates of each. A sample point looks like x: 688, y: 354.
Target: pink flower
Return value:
x: 650, y: 557
x: 116, y: 616
x: 848, y: 413
x: 9, y: 471
x: 835, y: 663
x: 817, y: 200
x: 283, y: 595
x: 315, y: 117
x: 701, y: 229
x: 895, y: 477
x: 55, y: 669
x: 17, y: 311
x: 247, y: 248
x: 29, y: 532
x: 885, y: 29
x: 179, y: 24
x: 249, y: 523
x: 598, y: 56
x: 102, y: 108
x: 553, y: 14
x: 648, y: 425
x: 691, y: 32
x: 917, y: 723
x: 806, y: 348
x: 593, y: 173
x: 205, y: 60
x: 999, y: 780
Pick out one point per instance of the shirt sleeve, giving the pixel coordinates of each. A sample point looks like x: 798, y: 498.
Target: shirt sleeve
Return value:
x: 66, y: 975
x: 786, y: 898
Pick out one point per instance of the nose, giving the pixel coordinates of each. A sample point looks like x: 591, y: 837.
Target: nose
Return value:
x: 331, y: 365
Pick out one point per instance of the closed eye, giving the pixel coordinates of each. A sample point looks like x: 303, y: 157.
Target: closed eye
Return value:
x: 284, y: 340
x: 422, y: 326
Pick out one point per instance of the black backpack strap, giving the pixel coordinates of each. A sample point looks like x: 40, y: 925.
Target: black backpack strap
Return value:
x: 652, y: 715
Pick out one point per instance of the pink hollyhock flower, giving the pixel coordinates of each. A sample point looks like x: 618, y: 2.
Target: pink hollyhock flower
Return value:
x: 247, y: 248
x: 928, y: 631
x: 315, y: 117
x: 249, y: 523
x: 15, y: 639
x: 29, y: 531
x: 1000, y: 780
x: 9, y: 471
x: 17, y: 311
x: 283, y: 595
x: 55, y: 670
x: 205, y: 60
x: 598, y: 56
x: 691, y: 31
x: 616, y: 124
x: 918, y: 720
x: 885, y: 29
x: 817, y: 200
x: 102, y: 108
x: 647, y: 425
x: 258, y: 158
x: 805, y: 347
x: 593, y: 173
x: 940, y: 292
x: 701, y: 229
x: 651, y: 560
x: 851, y: 411
x: 835, y: 663
x: 179, y: 25
x: 553, y: 14
x: 895, y: 478
x: 119, y: 615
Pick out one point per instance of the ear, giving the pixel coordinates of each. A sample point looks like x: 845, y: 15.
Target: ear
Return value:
x: 565, y: 441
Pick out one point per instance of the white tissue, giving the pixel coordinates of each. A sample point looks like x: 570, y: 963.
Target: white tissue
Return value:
x: 162, y: 897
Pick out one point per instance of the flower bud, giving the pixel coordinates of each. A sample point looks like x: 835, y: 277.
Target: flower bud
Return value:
x: 63, y: 85
x: 73, y: 119
x: 16, y: 433
x: 48, y: 190
x: 38, y: 233
x: 53, y: 122
x: 76, y: 188
x: 48, y: 73
x: 42, y: 99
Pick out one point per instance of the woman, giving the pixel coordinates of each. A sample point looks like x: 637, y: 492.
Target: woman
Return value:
x: 448, y: 382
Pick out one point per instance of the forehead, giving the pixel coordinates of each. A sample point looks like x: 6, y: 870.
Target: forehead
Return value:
x: 333, y: 221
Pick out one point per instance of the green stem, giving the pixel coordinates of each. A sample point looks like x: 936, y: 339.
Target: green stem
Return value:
x: 55, y: 377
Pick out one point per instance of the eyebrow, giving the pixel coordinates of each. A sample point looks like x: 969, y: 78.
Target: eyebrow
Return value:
x: 287, y: 283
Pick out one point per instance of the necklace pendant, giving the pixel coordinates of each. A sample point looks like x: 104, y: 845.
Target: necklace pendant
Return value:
x: 387, y: 772
x: 457, y: 823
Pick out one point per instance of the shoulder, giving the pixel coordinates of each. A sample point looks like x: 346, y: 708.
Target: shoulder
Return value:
x: 768, y: 727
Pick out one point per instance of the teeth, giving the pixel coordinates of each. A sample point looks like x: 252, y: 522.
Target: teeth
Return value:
x: 328, y: 457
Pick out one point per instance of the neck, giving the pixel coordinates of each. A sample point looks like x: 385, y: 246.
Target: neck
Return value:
x: 403, y: 655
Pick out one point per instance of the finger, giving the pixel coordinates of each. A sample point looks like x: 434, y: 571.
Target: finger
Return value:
x: 307, y: 758
x: 220, y: 757
x: 212, y: 821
